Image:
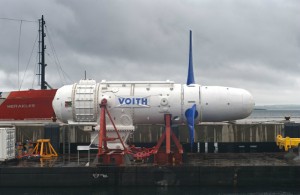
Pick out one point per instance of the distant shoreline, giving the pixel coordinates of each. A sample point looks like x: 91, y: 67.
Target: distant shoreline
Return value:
x: 277, y: 107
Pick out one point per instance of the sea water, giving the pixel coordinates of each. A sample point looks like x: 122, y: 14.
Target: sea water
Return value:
x: 274, y: 114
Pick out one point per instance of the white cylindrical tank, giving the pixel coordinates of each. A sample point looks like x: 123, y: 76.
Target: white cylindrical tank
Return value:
x: 146, y: 102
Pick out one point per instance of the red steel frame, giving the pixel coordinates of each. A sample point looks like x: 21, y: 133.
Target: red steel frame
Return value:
x: 103, y: 151
x: 117, y: 155
x: 168, y: 156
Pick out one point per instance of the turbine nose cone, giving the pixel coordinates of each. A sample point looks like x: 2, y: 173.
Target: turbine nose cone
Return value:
x: 225, y: 103
x: 248, y: 102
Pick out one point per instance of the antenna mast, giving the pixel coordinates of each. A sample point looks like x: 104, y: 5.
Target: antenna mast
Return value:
x: 42, y: 48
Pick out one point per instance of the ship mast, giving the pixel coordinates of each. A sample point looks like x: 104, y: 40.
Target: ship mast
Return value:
x: 42, y: 48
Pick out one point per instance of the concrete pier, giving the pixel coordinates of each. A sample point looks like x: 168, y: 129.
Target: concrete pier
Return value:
x: 214, y: 132
x: 206, y: 132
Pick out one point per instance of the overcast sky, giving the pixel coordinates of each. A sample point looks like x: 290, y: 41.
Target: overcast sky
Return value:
x: 253, y: 45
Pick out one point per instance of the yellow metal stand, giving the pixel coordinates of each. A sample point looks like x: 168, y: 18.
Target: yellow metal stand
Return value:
x: 44, y: 149
x: 287, y: 142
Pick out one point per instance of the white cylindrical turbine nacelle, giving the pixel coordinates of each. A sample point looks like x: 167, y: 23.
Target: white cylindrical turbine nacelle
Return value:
x: 131, y: 103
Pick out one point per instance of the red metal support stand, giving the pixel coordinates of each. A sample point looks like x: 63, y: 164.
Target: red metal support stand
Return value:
x: 102, y: 127
x: 168, y: 133
x: 169, y: 155
x: 106, y: 155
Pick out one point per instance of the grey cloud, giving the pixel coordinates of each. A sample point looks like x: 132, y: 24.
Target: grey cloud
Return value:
x: 248, y: 44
